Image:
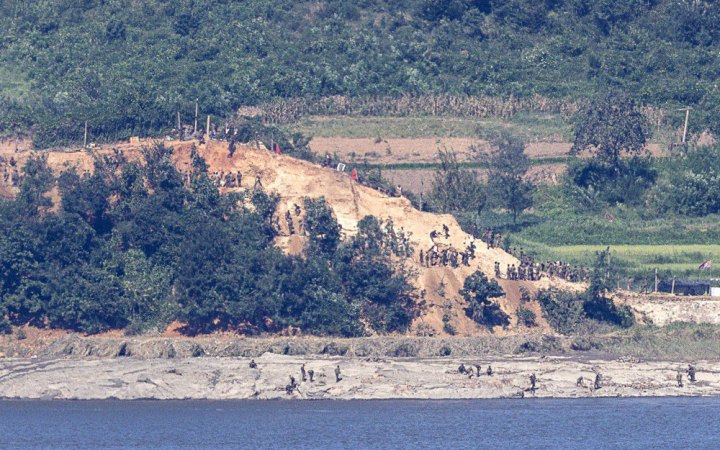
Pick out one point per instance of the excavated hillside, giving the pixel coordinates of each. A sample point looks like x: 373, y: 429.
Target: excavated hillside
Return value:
x: 295, y: 180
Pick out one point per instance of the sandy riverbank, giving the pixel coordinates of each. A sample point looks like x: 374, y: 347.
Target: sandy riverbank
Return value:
x: 362, y: 378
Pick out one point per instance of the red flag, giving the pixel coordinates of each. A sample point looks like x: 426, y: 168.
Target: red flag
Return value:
x: 705, y: 265
x: 354, y: 175
x: 277, y: 149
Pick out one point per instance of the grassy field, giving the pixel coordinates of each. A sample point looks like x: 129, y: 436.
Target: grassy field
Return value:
x: 638, y: 260
x: 534, y: 127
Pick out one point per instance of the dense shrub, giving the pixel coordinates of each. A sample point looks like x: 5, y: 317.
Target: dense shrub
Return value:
x: 478, y: 291
x: 131, y: 246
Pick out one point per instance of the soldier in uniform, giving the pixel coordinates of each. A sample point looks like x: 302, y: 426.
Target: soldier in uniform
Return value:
x: 292, y: 386
x: 533, y: 380
x: 580, y: 382
x: 311, y: 374
x: 337, y: 374
x: 477, y: 367
x: 462, y: 369
x: 497, y: 270
x: 253, y: 364
x: 691, y: 373
x: 679, y: 379
x: 446, y: 230
x: 598, y: 381
x: 302, y: 372
x: 489, y: 370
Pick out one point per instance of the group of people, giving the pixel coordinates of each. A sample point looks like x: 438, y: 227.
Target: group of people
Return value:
x: 468, y: 370
x: 523, y: 272
x: 446, y: 256
x: 305, y: 376
x: 567, y: 272
x: 492, y: 238
x: 597, y: 383
x: 228, y: 179
x: 291, y: 222
x: 10, y: 172
x: 530, y: 270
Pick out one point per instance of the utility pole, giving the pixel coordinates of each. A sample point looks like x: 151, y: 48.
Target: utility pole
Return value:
x: 196, y: 114
x: 687, y: 118
x: 207, y: 128
x: 85, y: 138
x: 179, y: 129
x: 656, y: 281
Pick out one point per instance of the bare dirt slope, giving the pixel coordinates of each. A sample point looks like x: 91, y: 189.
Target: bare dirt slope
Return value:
x: 294, y: 180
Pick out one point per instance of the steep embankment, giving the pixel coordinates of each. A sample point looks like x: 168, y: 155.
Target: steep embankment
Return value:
x: 294, y: 180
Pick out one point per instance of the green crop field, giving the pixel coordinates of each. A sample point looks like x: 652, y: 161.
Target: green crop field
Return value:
x: 637, y: 260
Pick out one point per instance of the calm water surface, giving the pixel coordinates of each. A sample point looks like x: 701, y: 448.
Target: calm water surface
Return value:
x: 516, y: 424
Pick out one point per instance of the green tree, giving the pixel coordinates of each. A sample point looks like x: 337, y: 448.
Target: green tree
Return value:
x: 478, y: 292
x: 609, y: 126
x: 147, y: 292
x: 321, y: 226
x: 455, y: 189
x: 507, y: 166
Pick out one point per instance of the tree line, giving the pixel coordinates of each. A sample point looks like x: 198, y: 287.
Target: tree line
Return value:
x: 130, y: 67
x: 135, y: 245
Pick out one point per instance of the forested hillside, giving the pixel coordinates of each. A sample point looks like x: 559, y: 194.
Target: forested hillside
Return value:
x: 129, y: 66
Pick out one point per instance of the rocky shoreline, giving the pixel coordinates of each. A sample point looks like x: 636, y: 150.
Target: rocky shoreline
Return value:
x: 231, y: 378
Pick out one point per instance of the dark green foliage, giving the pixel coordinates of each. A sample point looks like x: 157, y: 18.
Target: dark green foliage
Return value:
x: 455, y: 189
x: 691, y: 185
x: 594, y: 184
x: 478, y: 291
x: 132, y: 247
x: 526, y: 317
x: 611, y: 125
x: 507, y: 166
x: 604, y: 309
x: 563, y: 310
x: 569, y: 312
x: 320, y: 226
x: 128, y: 68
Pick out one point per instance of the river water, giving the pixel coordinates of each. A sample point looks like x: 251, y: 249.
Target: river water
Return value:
x: 457, y: 424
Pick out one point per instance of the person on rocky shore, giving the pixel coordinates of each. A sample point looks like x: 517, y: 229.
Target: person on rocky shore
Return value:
x: 311, y: 374
x: 533, y: 381
x: 691, y: 373
x: 598, y: 381
x: 290, y: 388
x: 253, y: 364
x: 679, y: 378
x: 302, y: 372
x: 462, y: 369
x: 477, y: 367
x: 337, y: 374
x: 489, y: 370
